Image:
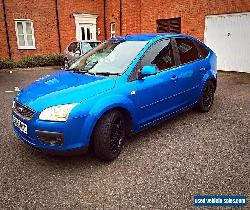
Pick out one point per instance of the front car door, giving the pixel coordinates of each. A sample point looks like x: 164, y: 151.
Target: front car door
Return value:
x: 157, y: 95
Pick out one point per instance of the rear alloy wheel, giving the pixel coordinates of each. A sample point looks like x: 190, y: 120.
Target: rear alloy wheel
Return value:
x: 207, y: 97
x: 109, y: 135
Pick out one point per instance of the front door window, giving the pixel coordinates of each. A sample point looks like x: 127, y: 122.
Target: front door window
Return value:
x: 161, y: 55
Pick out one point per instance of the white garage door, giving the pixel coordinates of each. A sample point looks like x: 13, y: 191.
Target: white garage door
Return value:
x: 229, y: 37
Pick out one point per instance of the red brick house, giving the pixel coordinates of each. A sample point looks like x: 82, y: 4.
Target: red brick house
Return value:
x: 35, y: 27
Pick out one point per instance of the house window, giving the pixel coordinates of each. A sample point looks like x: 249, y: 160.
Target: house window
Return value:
x: 112, y: 30
x: 25, y: 34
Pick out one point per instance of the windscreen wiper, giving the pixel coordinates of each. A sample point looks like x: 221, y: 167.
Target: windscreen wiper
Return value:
x: 80, y: 71
x: 106, y: 73
x: 73, y: 69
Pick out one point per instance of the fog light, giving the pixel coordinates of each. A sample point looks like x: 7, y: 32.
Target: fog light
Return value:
x: 50, y: 138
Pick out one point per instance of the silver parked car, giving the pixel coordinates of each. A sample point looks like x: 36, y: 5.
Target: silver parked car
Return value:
x: 76, y: 49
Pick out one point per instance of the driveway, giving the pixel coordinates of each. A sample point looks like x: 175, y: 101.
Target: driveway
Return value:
x: 162, y: 167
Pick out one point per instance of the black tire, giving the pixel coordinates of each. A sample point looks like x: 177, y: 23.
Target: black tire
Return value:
x: 108, y: 136
x: 207, y: 97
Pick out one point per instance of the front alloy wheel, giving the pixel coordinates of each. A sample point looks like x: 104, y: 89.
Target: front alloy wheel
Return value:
x: 109, y: 135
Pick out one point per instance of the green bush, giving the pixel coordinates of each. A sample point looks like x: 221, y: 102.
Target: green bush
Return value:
x: 33, y: 61
x: 41, y: 60
x: 6, y: 64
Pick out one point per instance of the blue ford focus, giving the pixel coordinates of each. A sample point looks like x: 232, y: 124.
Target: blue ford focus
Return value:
x: 124, y: 85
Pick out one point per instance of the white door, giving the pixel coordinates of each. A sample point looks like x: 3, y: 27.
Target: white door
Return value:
x: 228, y: 36
x: 87, y: 32
x: 85, y: 26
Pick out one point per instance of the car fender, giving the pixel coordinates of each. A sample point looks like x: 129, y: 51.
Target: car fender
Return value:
x: 211, y: 73
x: 206, y: 77
x: 103, y: 105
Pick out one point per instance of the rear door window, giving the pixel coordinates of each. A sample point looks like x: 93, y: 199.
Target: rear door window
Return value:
x: 74, y: 46
x: 187, y: 50
x: 203, y: 52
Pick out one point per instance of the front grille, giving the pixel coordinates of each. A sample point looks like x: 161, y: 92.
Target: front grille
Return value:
x: 23, y: 111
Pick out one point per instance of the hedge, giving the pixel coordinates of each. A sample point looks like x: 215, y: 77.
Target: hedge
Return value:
x: 33, y: 61
x: 7, y: 64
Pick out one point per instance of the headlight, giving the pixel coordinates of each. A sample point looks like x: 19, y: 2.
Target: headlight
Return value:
x: 57, y: 113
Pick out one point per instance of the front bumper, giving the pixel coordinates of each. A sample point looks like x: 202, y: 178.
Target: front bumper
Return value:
x: 62, y: 136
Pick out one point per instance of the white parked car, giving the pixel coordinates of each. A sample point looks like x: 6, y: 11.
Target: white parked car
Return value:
x: 76, y: 49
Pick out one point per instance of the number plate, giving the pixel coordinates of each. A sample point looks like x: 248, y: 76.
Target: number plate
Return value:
x: 20, y: 125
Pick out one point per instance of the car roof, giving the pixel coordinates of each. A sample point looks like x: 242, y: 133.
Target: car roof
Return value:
x: 146, y: 36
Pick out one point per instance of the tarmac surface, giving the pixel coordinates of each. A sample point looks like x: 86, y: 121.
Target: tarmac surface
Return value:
x: 162, y: 167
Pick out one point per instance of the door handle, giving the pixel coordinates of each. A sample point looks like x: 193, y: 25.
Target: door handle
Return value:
x: 202, y: 69
x: 174, y: 78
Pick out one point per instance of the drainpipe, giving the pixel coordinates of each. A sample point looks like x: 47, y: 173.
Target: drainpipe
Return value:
x: 6, y: 30
x: 120, y: 17
x: 104, y: 18
x: 140, y: 14
x: 58, y: 27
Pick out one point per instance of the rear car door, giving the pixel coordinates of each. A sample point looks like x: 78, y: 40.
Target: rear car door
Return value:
x: 192, y: 68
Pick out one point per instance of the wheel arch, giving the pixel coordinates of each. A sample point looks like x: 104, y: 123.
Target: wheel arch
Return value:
x: 214, y: 80
x: 128, y: 120
x: 121, y: 103
x: 125, y: 112
x: 209, y: 76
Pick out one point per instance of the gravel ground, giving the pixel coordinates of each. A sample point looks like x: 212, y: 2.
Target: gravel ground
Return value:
x: 162, y: 167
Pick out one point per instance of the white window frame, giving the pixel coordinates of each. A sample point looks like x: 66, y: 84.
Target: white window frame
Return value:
x: 26, y: 46
x: 112, y: 32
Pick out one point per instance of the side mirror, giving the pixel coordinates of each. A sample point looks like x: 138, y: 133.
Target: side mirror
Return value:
x: 147, y: 71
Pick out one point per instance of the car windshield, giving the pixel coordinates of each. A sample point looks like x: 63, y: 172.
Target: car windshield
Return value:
x: 110, y: 57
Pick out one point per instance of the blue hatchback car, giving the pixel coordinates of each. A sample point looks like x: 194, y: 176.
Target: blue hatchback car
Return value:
x: 124, y: 85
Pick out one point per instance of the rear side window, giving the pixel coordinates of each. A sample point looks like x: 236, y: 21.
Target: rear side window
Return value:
x: 187, y: 50
x: 203, y: 52
x: 160, y: 54
x: 73, y: 47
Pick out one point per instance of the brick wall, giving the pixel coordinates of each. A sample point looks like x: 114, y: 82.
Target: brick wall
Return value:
x: 130, y: 16
x: 112, y: 16
x: 3, y: 38
x: 137, y: 16
x: 67, y: 21
x: 192, y: 13
x: 43, y: 14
